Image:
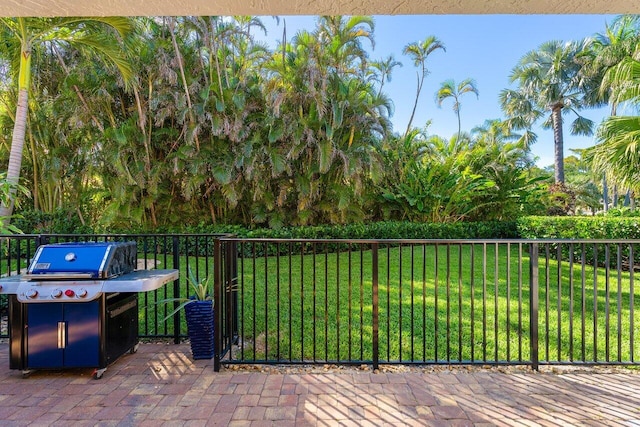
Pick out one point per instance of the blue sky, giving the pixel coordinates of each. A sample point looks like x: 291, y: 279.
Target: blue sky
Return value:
x: 482, y: 47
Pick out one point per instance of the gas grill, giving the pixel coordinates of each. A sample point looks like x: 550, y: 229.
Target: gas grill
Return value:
x: 77, y: 306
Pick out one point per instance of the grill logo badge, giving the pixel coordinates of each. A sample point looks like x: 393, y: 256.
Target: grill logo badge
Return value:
x: 43, y: 266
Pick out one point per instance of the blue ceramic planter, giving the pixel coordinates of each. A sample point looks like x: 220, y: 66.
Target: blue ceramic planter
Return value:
x: 199, y: 315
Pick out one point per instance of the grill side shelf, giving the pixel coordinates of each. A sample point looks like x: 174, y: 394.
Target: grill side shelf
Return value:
x: 9, y: 285
x: 140, y: 281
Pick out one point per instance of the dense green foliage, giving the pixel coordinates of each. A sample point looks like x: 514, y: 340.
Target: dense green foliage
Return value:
x: 215, y: 128
x: 59, y: 221
x: 6, y: 188
x: 615, y: 60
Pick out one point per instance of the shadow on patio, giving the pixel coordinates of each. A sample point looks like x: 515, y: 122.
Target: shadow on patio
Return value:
x: 162, y: 384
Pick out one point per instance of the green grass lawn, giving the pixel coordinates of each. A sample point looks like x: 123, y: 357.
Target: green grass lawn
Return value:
x: 319, y: 306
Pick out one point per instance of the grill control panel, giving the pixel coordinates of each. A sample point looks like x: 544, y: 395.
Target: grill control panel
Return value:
x: 59, y: 291
x: 77, y: 290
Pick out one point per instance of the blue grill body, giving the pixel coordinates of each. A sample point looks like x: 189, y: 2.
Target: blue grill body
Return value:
x: 91, y: 260
x: 64, y: 331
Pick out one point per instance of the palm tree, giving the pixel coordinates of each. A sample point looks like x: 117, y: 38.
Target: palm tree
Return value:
x: 419, y: 52
x: 94, y: 35
x: 550, y: 85
x: 449, y: 89
x: 617, y: 153
x: 323, y: 117
x: 341, y: 40
x: 508, y: 164
x: 619, y: 41
x: 384, y: 69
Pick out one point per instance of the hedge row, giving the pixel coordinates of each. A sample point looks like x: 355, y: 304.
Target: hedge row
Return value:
x: 578, y: 227
x: 589, y: 228
x: 375, y: 230
x: 531, y: 227
x: 572, y: 227
x: 56, y: 224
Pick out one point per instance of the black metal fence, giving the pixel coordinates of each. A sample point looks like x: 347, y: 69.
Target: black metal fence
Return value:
x: 436, y: 302
x: 392, y: 301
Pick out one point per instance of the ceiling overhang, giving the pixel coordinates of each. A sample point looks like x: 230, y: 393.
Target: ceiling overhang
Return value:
x: 316, y: 7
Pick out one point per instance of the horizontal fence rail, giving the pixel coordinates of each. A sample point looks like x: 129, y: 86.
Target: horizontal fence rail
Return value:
x: 495, y: 302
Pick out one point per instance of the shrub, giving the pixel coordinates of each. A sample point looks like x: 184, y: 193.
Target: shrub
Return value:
x: 61, y: 221
x: 586, y: 228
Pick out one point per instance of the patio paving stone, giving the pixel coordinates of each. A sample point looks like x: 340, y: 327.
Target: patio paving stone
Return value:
x: 162, y: 386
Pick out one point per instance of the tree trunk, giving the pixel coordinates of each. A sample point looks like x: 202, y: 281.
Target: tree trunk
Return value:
x: 77, y: 90
x: 415, y: 104
x: 556, y: 117
x: 459, y: 126
x: 35, y: 194
x: 19, y: 131
x: 605, y: 194
x: 172, y: 22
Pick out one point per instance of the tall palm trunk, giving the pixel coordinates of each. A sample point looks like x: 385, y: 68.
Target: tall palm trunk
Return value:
x: 556, y: 116
x: 605, y: 186
x: 415, y: 104
x: 605, y: 194
x: 172, y: 23
x: 19, y: 132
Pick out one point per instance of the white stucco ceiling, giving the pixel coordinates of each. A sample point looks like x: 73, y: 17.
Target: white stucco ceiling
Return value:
x: 309, y: 7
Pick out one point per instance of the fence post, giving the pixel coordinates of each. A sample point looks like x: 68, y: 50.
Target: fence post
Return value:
x: 218, y: 265
x: 41, y: 240
x: 231, y: 287
x: 374, y: 278
x: 533, y: 304
x: 176, y: 290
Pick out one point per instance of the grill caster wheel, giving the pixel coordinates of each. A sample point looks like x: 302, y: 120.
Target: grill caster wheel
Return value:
x: 98, y: 373
x: 26, y: 373
x: 134, y: 349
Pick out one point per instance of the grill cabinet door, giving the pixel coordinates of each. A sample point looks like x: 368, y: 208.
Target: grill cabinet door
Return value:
x: 63, y: 335
x: 43, y: 335
x: 83, y: 334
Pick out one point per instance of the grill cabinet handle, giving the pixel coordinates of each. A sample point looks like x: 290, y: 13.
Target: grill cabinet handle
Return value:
x: 62, y: 335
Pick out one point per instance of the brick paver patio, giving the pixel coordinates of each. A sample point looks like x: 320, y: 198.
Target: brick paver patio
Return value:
x: 160, y: 385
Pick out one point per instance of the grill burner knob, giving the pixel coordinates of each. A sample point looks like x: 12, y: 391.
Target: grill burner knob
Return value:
x: 82, y: 292
x: 32, y: 293
x: 56, y: 293
x: 69, y: 293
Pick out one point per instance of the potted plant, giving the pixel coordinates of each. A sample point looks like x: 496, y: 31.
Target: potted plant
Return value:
x: 198, y: 310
